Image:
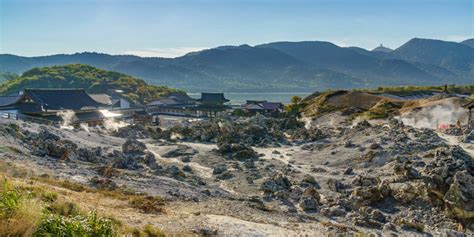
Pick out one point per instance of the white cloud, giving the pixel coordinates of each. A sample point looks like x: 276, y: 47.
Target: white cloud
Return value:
x: 164, y: 52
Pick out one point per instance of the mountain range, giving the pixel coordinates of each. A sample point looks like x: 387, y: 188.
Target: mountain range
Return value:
x: 283, y: 66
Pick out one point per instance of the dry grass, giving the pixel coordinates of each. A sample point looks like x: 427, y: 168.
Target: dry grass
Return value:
x: 147, y: 231
x: 148, y: 204
x: 24, y: 219
x: 39, y: 201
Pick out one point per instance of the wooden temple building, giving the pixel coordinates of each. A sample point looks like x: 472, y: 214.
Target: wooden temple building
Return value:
x: 212, y: 105
x: 263, y: 107
x: 50, y: 105
x: 209, y: 105
x: 47, y: 104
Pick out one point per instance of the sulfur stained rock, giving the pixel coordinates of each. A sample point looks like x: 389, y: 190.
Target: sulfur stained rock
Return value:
x: 460, y: 196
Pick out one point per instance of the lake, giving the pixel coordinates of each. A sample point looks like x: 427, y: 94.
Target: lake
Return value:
x: 240, y: 98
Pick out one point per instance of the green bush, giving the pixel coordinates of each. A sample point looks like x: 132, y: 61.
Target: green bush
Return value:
x: 10, y: 199
x: 88, y: 225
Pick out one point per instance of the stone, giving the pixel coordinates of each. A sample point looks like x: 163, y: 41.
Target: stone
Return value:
x: 237, y: 151
x: 309, y: 179
x: 187, y: 168
x: 312, y: 192
x: 363, y: 180
x: 88, y: 155
x: 60, y: 149
x: 276, y: 183
x: 348, y: 171
x: 369, y: 217
x: 389, y: 227
x: 150, y: 160
x: 136, y: 131
x: 333, y: 211
x: 219, y: 169
x: 175, y: 172
x: 308, y: 203
x: 404, y: 192
x: 460, y: 196
x: 123, y: 161
x: 374, y: 146
x: 132, y: 146
x: 335, y: 185
x: 181, y: 150
x: 406, y: 170
x: 204, y: 231
x: 225, y: 175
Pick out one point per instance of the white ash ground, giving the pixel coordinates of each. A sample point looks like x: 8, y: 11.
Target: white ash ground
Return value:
x: 356, y: 178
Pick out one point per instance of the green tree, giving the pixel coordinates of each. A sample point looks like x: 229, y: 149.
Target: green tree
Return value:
x: 294, y: 109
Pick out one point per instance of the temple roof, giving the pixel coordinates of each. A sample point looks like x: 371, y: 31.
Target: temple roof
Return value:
x: 60, y: 99
x: 8, y: 100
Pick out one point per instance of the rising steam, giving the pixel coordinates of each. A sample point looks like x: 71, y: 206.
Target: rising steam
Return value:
x: 112, y: 126
x: 435, y: 117
x: 68, y: 117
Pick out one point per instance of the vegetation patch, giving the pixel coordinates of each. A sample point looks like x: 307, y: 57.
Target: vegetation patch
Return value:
x: 29, y: 209
x: 383, y: 109
x: 94, y: 80
x: 413, y: 90
x: 147, y: 204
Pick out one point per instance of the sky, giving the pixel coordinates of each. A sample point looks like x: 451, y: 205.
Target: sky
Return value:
x: 170, y: 28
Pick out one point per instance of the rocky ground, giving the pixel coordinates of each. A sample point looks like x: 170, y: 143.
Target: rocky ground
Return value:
x: 268, y: 177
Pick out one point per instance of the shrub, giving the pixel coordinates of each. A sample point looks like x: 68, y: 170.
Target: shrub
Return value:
x: 148, y: 231
x: 63, y: 208
x: 19, y: 212
x: 9, y: 200
x: 49, y: 196
x: 147, y: 204
x: 88, y: 225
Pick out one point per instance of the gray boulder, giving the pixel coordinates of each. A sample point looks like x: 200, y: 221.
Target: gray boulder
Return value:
x: 132, y: 146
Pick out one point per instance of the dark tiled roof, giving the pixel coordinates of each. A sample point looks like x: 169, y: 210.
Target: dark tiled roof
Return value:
x: 271, y: 105
x: 264, y: 106
x: 164, y: 101
x: 213, y: 97
x: 213, y: 107
x: 8, y: 100
x: 103, y: 98
x: 59, y: 99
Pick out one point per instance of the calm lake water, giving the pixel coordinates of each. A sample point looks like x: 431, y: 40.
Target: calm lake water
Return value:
x: 239, y: 98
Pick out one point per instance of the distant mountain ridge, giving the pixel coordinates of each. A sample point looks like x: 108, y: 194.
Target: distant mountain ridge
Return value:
x: 282, y: 66
x: 469, y: 42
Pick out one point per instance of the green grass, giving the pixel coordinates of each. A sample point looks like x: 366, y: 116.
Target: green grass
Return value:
x: 80, y: 225
x: 32, y: 211
x: 10, y: 199
x: 36, y: 207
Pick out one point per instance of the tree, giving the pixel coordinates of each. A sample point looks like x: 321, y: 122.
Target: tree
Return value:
x: 294, y: 109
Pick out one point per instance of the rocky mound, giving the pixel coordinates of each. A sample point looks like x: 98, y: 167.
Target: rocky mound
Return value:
x: 254, y: 131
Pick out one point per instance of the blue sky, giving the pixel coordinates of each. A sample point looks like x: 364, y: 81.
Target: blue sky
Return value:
x: 173, y: 27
